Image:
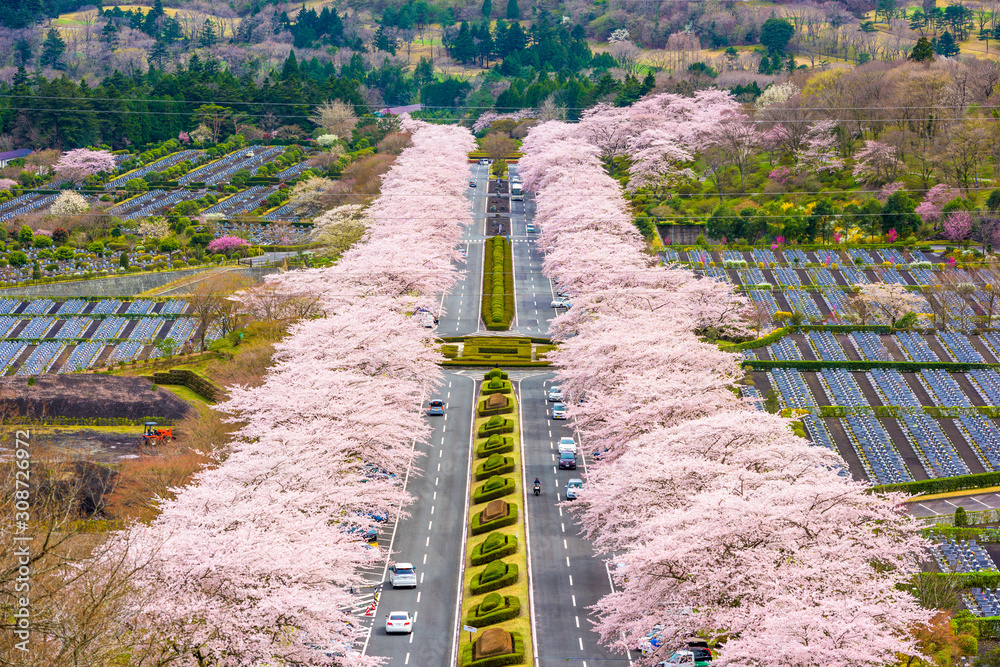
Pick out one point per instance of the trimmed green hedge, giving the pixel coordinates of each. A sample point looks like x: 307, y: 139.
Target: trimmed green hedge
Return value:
x: 504, y: 487
x: 449, y: 351
x: 495, y: 444
x: 497, y: 575
x: 901, y: 366
x: 489, y: 361
x: 498, y: 284
x: 506, y: 545
x: 943, y: 484
x: 477, y: 528
x: 495, y: 373
x: 495, y: 464
x: 509, y: 607
x: 482, y: 410
x: 515, y: 658
x: 496, y: 424
x: 496, y: 386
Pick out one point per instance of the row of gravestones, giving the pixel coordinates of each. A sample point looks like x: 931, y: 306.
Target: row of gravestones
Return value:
x: 494, y: 645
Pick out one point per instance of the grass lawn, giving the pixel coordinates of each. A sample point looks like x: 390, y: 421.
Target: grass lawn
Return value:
x: 522, y: 623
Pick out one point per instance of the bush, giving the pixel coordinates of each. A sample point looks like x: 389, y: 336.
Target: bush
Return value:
x: 494, y: 608
x: 496, y: 546
x: 496, y: 424
x: 944, y: 484
x: 496, y: 386
x: 483, y: 411
x: 498, y: 284
x: 497, y: 575
x: 476, y: 527
x: 495, y: 487
x: 495, y: 464
x: 515, y: 658
x: 449, y: 351
x: 495, y: 373
x: 495, y: 444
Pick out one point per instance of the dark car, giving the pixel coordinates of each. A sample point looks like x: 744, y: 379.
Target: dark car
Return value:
x: 472, y: 184
x: 436, y: 407
x: 567, y: 461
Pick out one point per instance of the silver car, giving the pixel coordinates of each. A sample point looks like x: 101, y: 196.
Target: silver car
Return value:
x: 402, y: 575
x: 573, y: 487
x: 556, y: 394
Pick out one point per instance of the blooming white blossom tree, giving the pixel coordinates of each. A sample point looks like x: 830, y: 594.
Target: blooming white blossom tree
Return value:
x: 69, y: 203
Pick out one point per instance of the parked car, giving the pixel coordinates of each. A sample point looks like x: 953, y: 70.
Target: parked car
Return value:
x: 567, y: 444
x: 556, y: 394
x: 567, y: 461
x: 398, y: 622
x: 573, y: 487
x: 561, y: 302
x: 559, y: 411
x: 436, y: 407
x: 695, y: 657
x: 402, y: 574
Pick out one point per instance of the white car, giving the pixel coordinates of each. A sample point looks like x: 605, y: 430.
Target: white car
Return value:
x: 573, y: 488
x: 559, y: 411
x: 402, y: 574
x: 556, y: 395
x: 567, y: 444
x: 399, y: 622
x: 484, y: 161
x: 562, y: 302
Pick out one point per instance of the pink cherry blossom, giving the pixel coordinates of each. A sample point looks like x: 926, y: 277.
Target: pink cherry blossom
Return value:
x: 79, y: 163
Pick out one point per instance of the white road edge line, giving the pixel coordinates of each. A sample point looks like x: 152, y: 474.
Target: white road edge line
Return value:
x: 465, y: 522
x: 527, y: 530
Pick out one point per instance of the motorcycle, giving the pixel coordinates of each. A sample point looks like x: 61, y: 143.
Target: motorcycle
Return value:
x: 538, y: 488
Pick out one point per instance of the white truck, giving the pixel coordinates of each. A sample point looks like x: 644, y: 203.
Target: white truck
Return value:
x: 516, y: 191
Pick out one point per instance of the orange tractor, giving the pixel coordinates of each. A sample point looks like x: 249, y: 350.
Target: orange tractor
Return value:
x: 155, y: 436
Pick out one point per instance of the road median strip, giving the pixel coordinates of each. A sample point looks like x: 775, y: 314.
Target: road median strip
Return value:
x: 495, y: 619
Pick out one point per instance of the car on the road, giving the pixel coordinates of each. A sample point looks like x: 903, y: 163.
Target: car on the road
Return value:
x: 562, y: 302
x: 567, y: 444
x: 472, y: 184
x: 402, y: 574
x: 695, y: 657
x: 435, y: 407
x: 559, y: 411
x: 485, y: 161
x: 567, y: 461
x: 556, y: 394
x: 398, y: 622
x: 573, y: 487
x: 530, y: 229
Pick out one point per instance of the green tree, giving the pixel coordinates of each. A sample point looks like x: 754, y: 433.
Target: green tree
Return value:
x: 922, y: 51
x: 775, y: 34
x: 961, y: 518
x: 946, y: 46
x: 464, y: 48
x: 53, y: 50
x: 898, y: 213
x: 25, y: 236
x: 207, y: 37
x: 17, y: 259
x: 36, y: 272
x: 123, y: 260
x: 487, y: 9
x: 771, y: 403
x: 513, y: 11
x: 291, y: 67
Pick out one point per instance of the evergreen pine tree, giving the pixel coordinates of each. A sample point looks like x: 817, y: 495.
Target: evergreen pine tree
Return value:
x: 513, y: 11
x: 291, y: 68
x: 53, y: 49
x: 487, y: 9
x: 464, y: 48
x: 208, y: 37
x: 922, y: 51
x: 946, y: 45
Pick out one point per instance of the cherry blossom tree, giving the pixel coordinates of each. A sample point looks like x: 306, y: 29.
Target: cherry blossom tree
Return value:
x: 69, y: 203
x: 253, y: 563
x: 7, y: 184
x: 725, y: 523
x: 890, y: 299
x: 79, y: 163
x: 930, y: 208
x: 957, y: 225
x: 227, y: 245
x: 877, y: 163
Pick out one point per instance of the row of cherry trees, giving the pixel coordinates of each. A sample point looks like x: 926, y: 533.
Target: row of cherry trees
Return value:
x: 723, y: 522
x: 253, y: 562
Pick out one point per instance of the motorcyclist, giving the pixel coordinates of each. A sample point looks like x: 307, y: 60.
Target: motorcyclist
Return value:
x: 538, y: 486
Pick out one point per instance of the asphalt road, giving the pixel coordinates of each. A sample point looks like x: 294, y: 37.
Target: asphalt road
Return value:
x: 431, y: 538
x: 566, y: 577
